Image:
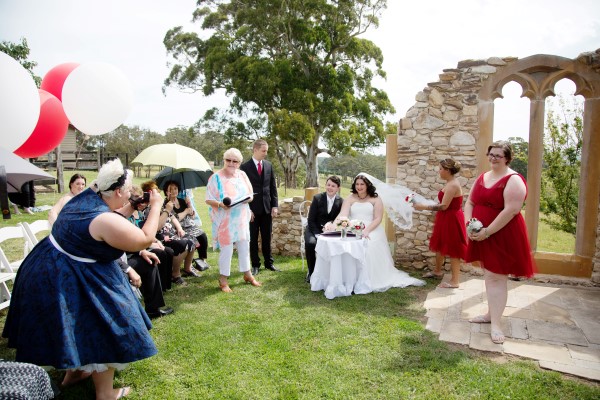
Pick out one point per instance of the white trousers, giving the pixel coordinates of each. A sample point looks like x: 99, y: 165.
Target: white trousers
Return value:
x: 243, y: 248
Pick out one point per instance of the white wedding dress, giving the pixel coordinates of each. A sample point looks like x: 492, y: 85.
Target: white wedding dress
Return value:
x: 380, y: 265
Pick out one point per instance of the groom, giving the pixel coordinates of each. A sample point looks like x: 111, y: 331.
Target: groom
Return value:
x: 324, y: 208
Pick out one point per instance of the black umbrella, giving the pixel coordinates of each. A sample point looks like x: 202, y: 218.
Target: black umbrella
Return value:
x: 186, y: 178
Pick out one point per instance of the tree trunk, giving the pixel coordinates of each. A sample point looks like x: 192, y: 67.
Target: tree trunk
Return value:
x: 312, y: 174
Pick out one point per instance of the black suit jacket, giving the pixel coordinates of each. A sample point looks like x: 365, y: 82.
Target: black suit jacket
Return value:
x: 264, y: 186
x: 318, y: 215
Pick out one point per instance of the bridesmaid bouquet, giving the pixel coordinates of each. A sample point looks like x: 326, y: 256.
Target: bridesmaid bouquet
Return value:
x: 410, y: 198
x: 474, y: 225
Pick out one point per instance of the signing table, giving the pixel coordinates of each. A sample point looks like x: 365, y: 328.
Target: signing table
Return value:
x: 340, y: 267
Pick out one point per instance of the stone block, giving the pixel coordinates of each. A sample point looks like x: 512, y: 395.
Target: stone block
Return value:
x: 538, y: 351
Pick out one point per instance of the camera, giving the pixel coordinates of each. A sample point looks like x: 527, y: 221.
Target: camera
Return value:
x: 146, y: 197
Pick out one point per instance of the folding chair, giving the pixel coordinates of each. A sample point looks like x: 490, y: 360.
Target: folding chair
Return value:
x: 30, y: 231
x: 7, y: 268
x: 303, y: 211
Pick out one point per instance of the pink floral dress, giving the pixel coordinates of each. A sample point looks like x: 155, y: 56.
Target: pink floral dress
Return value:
x: 233, y: 224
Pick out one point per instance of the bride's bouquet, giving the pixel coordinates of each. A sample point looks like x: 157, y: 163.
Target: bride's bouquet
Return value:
x: 474, y: 225
x: 357, y: 226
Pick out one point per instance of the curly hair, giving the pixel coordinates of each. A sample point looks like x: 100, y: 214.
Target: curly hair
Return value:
x: 370, y: 187
x: 171, y: 182
x: 450, y: 165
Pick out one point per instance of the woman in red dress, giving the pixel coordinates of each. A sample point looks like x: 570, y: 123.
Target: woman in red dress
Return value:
x: 449, y: 238
x: 501, y: 246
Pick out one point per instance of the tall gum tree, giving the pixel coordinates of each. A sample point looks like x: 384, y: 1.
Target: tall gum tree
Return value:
x: 298, y: 64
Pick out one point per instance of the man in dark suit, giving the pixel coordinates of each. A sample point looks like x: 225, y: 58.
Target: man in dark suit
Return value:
x: 324, y: 208
x: 263, y: 206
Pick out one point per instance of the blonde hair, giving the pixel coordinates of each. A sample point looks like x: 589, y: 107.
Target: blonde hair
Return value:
x: 233, y: 153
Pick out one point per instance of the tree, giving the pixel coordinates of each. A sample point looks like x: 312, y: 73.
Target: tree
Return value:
x: 297, y: 67
x: 20, y: 52
x: 520, y: 155
x: 563, y: 141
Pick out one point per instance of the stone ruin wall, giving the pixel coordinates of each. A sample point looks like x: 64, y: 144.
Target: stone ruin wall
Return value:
x: 443, y: 123
x: 287, y: 229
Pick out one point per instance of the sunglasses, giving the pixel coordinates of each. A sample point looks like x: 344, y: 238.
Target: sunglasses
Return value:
x: 232, y: 161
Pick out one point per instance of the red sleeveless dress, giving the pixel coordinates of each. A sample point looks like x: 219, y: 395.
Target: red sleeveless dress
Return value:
x: 506, y: 251
x: 449, y: 236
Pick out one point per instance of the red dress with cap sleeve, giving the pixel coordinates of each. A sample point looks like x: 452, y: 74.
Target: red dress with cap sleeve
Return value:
x: 506, y: 251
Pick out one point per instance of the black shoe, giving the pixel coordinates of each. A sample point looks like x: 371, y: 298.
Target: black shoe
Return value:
x: 201, y: 265
x: 272, y: 268
x: 161, y: 312
x: 307, y: 279
x: 255, y: 271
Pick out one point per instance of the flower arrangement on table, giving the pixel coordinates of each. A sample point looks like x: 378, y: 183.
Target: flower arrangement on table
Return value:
x: 341, y: 223
x: 474, y: 225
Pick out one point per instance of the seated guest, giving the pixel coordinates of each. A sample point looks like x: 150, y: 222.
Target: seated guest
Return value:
x: 230, y: 221
x: 185, y: 214
x: 71, y: 306
x: 25, y: 198
x: 172, y: 235
x: 76, y: 185
x: 164, y: 254
x: 324, y: 208
x: 143, y: 274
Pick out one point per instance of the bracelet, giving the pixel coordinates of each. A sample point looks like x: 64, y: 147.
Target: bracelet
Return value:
x: 164, y: 211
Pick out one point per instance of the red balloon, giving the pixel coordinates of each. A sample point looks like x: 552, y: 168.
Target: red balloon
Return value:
x: 50, y: 130
x: 55, y: 78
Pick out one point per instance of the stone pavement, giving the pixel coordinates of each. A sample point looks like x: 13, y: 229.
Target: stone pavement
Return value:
x: 559, y: 326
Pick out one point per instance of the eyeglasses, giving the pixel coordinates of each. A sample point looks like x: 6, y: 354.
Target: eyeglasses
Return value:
x: 232, y: 161
x: 495, y: 156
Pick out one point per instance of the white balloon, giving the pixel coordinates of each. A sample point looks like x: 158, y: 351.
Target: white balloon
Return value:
x: 19, y: 103
x: 97, y: 98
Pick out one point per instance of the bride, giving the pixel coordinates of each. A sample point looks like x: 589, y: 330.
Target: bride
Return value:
x: 365, y: 204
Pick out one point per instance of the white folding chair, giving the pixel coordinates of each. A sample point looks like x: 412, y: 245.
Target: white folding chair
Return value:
x: 303, y: 211
x: 8, y: 268
x: 32, y: 229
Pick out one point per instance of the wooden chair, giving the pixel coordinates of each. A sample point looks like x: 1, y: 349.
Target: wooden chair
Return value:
x: 303, y: 211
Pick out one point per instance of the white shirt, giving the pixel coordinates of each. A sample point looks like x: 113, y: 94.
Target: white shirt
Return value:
x: 330, y: 201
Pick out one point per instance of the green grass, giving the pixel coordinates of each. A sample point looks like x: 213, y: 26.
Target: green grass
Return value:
x: 283, y: 341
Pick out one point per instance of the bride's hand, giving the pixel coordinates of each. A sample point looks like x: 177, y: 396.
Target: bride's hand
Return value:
x: 366, y: 234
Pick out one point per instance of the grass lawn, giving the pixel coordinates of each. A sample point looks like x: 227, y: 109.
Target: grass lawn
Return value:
x: 283, y: 341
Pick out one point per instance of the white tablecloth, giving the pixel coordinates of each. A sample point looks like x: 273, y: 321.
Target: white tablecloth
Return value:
x: 340, y: 266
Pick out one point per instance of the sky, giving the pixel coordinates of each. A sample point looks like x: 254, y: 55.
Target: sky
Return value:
x: 419, y: 39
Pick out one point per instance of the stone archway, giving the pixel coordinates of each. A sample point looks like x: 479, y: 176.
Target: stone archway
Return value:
x: 454, y: 118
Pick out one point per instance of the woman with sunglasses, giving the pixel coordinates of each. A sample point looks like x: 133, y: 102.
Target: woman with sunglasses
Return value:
x: 228, y: 193
x: 501, y: 246
x: 449, y: 237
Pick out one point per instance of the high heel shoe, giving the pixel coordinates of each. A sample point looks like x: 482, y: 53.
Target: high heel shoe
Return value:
x: 225, y: 287
x: 252, y: 281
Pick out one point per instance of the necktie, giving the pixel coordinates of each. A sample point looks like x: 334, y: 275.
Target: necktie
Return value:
x: 259, y: 168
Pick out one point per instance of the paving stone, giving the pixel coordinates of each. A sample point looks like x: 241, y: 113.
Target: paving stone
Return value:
x: 504, y: 326
x: 552, y: 332
x: 587, y: 364
x: 584, y: 353
x: 589, y: 326
x: 436, y: 313
x: 455, y: 332
x: 482, y: 341
x: 519, y: 300
x: 435, y: 300
x: 513, y: 312
x: 473, y: 311
x: 434, y: 325
x: 518, y: 328
x: 572, y: 370
x: 538, y: 351
x: 546, y: 312
x: 538, y: 292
